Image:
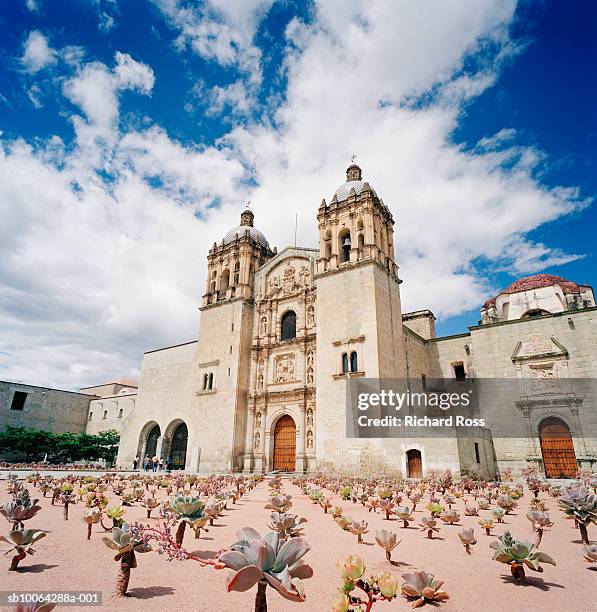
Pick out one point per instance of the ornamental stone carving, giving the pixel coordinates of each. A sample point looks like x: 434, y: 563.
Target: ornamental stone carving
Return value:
x: 289, y: 280
x: 284, y: 369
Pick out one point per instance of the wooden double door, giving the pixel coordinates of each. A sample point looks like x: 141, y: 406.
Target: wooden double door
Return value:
x: 285, y: 445
x: 557, y: 449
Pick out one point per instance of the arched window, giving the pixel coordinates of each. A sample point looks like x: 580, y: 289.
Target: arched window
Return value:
x: 344, y: 363
x: 535, y: 312
x: 288, y: 326
x: 225, y: 280
x: 210, y: 384
x: 354, y: 364
x: 345, y: 244
x: 205, y: 378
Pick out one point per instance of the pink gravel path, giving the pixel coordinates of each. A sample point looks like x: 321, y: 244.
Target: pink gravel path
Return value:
x: 65, y: 560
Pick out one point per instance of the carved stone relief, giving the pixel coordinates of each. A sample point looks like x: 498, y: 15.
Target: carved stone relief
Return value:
x: 284, y: 369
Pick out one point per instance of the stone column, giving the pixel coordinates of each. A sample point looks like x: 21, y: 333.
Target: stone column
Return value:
x: 249, y: 440
x: 301, y: 459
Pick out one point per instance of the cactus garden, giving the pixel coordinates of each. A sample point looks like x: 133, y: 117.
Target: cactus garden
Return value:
x: 319, y: 542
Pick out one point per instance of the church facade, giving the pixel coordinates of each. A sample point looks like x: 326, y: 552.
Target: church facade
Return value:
x: 283, y: 333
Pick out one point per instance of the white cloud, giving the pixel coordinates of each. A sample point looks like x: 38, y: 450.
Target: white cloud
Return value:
x: 32, y: 5
x: 96, y: 270
x: 37, y: 53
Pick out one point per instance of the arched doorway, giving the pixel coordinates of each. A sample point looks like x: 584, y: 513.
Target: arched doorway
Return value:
x: 152, y: 441
x: 414, y: 463
x: 178, y: 448
x: 285, y: 445
x: 557, y: 449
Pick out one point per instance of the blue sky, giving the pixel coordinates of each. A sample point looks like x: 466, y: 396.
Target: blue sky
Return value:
x: 132, y: 133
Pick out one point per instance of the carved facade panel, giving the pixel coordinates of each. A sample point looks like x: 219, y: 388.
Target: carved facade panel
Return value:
x: 285, y: 368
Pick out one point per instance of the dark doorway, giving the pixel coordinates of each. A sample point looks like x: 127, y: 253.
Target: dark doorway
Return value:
x: 414, y: 463
x: 178, y: 448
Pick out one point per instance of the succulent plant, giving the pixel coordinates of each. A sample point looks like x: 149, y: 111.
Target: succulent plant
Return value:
x: 373, y: 504
x: 116, y: 513
x: 498, y: 514
x: 388, y: 541
x: 434, y: 508
x: 17, y: 513
x: 467, y: 537
x: 279, y: 503
x: 506, y: 502
x: 591, y: 553
x: 517, y: 554
x: 450, y: 517
x: 471, y: 510
x: 345, y: 493
x: 325, y: 503
x: 287, y: 525
x: 359, y: 528
x: 91, y: 516
x: 188, y: 510
x: 422, y: 587
x: 267, y: 560
x: 539, y: 520
x: 404, y: 514
x: 336, y: 511
x: 124, y: 541
x: 67, y: 499
x: 487, y: 524
x: 387, y: 506
x: 429, y: 524
x: 580, y: 505
x: 213, y: 509
x: 150, y: 503
x: 21, y: 541
x: 36, y: 607
x: 344, y: 522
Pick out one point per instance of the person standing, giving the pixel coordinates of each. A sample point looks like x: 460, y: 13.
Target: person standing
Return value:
x: 169, y: 464
x: 135, y: 463
x: 155, y: 462
x: 161, y: 464
x: 146, y: 463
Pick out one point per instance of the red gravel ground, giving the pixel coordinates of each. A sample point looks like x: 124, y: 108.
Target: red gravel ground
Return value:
x: 65, y: 560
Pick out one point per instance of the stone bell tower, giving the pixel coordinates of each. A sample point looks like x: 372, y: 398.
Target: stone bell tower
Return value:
x: 224, y: 345
x: 359, y: 316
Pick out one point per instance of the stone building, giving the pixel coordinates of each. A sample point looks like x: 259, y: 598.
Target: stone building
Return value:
x: 282, y: 334
x: 111, y: 405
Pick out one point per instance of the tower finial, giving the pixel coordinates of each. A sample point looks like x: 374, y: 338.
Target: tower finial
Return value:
x: 353, y: 172
x: 352, y: 158
x: 247, y: 216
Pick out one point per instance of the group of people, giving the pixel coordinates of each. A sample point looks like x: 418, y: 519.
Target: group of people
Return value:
x: 153, y: 463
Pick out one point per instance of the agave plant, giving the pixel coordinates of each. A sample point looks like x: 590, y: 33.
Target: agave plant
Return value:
x: 124, y: 541
x: 287, y: 525
x: 450, y: 517
x: 429, y: 524
x: 404, y: 514
x: 267, y: 560
x: 581, y: 506
x: 517, y: 554
x: 91, y: 516
x: 539, y: 520
x: 483, y: 504
x: 359, y: 528
x: 422, y: 587
x: 487, y: 524
x: 187, y: 509
x: 471, y: 510
x: 388, y: 541
x: 467, y: 537
x: 21, y: 541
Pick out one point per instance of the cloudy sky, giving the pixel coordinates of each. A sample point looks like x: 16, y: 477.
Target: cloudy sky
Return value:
x: 132, y: 132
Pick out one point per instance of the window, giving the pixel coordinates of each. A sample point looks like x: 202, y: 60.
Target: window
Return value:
x: 105, y: 415
x: 344, y: 363
x: 424, y: 381
x: 288, y: 326
x: 459, y: 372
x: 18, y: 400
x: 354, y: 362
x: 477, y: 453
x: 345, y: 245
x: 205, y: 380
x: 91, y: 416
x: 120, y: 413
x: 210, y: 381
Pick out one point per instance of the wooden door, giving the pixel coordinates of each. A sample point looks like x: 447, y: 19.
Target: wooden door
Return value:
x: 285, y: 445
x: 415, y: 464
x: 557, y: 449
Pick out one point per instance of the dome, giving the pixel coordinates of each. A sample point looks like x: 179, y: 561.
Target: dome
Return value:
x: 241, y: 230
x: 343, y: 191
x: 537, y: 281
x: 353, y: 181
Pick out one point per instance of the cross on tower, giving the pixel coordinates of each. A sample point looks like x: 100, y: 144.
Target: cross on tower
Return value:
x: 248, y: 204
x: 353, y: 157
